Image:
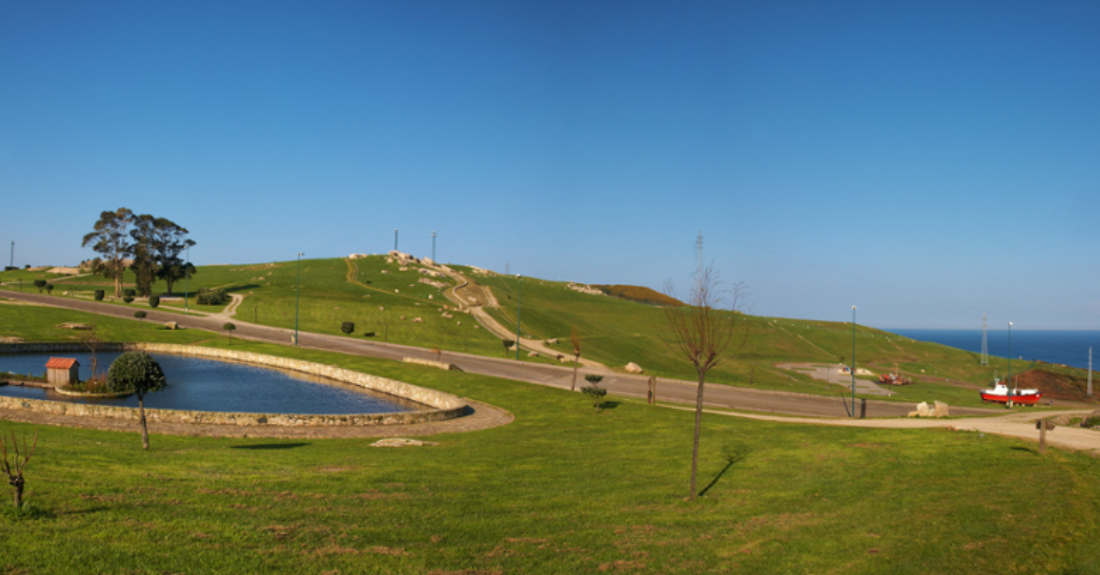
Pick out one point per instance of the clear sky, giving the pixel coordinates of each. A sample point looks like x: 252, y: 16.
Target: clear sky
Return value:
x: 924, y: 161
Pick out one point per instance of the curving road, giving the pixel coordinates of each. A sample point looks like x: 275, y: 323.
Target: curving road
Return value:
x: 719, y: 396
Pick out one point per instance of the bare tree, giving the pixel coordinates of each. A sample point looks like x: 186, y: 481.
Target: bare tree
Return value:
x: 14, y: 468
x: 704, y: 334
x: 575, y: 338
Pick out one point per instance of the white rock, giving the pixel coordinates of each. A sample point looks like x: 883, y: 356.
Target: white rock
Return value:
x: 942, y: 409
x: 633, y: 368
x: 401, y: 442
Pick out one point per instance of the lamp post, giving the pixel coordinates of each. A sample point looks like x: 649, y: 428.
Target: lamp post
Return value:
x: 1007, y: 389
x: 853, y: 369
x: 187, y: 282
x: 519, y: 308
x: 297, y: 293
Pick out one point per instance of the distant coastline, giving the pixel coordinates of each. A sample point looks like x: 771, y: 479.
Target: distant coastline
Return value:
x: 1068, y: 347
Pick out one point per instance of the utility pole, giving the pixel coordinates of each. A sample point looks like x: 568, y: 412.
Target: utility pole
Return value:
x: 297, y: 294
x: 699, y: 255
x: 12, y: 263
x: 433, y: 246
x: 187, y: 282
x: 1090, y: 372
x: 853, y: 361
x: 519, y: 308
x: 1009, y: 390
x: 985, y: 343
x: 395, y: 239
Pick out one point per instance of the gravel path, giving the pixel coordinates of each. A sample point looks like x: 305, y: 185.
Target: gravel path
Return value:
x: 1016, y: 424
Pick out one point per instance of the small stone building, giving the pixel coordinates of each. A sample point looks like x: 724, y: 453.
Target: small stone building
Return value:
x: 62, y: 371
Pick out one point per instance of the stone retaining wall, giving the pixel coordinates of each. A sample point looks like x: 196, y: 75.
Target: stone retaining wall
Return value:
x: 441, y: 406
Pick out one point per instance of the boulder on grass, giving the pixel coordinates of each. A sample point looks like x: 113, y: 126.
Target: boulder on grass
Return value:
x: 633, y: 368
x: 942, y: 410
x: 171, y: 325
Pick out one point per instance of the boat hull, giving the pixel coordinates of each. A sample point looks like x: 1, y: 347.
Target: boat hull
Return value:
x: 1030, y: 399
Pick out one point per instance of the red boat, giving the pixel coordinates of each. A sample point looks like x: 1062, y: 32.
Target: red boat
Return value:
x: 1001, y: 394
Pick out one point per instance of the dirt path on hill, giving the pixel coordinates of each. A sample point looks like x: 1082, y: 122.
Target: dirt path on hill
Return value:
x: 477, y: 310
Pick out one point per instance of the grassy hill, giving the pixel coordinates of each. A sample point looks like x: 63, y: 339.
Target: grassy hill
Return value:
x: 613, y: 330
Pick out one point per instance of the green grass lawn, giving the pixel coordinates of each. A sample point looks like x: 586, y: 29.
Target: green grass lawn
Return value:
x: 562, y: 489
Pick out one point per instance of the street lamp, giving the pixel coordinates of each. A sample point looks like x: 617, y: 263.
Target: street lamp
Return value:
x: 1007, y: 389
x: 519, y: 308
x: 187, y: 282
x: 297, y: 293
x: 853, y: 361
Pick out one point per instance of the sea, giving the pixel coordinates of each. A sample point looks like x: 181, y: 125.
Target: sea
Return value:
x: 1052, y: 346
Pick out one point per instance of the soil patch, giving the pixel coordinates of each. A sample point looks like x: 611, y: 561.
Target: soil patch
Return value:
x: 1056, y: 385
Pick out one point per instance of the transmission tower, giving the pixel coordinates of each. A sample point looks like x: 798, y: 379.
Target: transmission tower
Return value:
x: 699, y: 255
x: 985, y: 343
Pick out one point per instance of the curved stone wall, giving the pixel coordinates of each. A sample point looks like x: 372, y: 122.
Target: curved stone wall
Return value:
x: 440, y: 406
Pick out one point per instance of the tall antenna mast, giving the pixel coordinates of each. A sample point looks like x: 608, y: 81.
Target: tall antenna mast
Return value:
x: 985, y: 343
x: 433, y: 246
x: 699, y: 255
x: 395, y: 239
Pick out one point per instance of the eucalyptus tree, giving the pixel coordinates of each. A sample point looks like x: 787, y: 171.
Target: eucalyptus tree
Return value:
x: 111, y: 238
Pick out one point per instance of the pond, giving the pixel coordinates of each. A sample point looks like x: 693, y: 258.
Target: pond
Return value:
x: 209, y: 385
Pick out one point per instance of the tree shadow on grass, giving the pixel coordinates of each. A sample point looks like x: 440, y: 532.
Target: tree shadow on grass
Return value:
x: 1025, y: 450
x: 270, y: 446
x: 732, y: 454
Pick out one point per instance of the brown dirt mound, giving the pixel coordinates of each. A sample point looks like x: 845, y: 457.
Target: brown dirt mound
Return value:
x: 639, y: 294
x: 1058, y: 385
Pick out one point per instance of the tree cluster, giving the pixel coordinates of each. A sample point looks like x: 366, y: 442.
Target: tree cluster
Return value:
x: 149, y: 246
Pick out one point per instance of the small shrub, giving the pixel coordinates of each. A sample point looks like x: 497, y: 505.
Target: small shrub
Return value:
x: 368, y: 334
x: 39, y: 284
x: 10, y: 268
x: 129, y: 291
x: 508, y: 343
x: 49, y: 288
x: 1093, y: 421
x: 99, y: 295
x: 347, y: 327
x: 594, y: 391
x: 140, y: 315
x: 229, y: 327
x: 154, y: 301
x: 128, y: 298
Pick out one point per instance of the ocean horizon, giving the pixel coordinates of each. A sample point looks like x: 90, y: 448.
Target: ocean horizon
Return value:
x: 1067, y: 347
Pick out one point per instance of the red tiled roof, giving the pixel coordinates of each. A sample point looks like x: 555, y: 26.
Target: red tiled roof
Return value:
x: 61, y: 363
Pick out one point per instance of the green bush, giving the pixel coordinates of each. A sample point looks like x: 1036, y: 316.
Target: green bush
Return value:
x: 154, y: 301
x: 129, y: 291
x: 347, y: 327
x: 49, y: 288
x: 1093, y: 421
x: 99, y: 295
x: 206, y: 296
x: 39, y: 284
x: 139, y: 314
x: 135, y: 371
x: 368, y: 334
x: 128, y: 298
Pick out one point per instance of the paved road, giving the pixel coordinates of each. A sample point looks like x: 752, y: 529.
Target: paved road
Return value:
x: 550, y: 375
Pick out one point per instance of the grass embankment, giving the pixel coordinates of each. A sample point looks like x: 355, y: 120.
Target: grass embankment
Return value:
x: 615, y: 331
x: 332, y: 291
x: 559, y: 490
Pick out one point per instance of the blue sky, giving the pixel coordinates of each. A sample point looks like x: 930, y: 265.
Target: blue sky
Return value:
x: 923, y: 161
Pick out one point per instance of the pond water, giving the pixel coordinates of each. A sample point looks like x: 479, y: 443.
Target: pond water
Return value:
x: 210, y: 385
